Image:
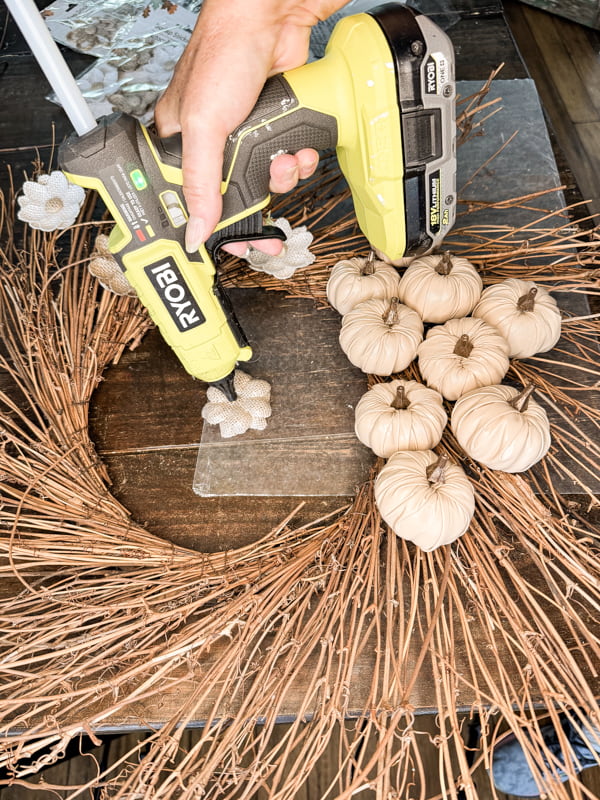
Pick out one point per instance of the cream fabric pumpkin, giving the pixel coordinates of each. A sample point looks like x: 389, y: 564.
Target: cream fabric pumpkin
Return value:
x: 355, y: 280
x: 401, y: 415
x: 381, y: 336
x: 440, y: 287
x: 502, y: 428
x: 424, y: 499
x: 461, y: 355
x: 525, y: 314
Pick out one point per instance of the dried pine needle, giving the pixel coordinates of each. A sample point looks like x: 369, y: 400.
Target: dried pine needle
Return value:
x: 103, y: 619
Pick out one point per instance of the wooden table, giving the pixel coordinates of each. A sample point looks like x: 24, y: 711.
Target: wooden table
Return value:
x: 145, y: 417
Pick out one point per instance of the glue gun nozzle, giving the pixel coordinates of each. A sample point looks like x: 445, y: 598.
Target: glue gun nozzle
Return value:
x: 226, y: 386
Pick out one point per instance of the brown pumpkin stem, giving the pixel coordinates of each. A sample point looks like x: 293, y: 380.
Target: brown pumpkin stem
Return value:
x: 400, y: 401
x: 436, y: 472
x: 392, y: 316
x: 527, y: 301
x: 521, y: 401
x: 463, y: 347
x: 369, y: 265
x: 444, y: 265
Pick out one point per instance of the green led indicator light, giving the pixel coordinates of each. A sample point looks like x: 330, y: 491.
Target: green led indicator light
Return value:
x: 139, y: 181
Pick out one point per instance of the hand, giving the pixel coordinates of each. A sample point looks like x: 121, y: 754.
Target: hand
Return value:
x: 236, y: 45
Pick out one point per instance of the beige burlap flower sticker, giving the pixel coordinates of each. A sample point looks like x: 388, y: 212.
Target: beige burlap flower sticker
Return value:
x: 295, y: 253
x: 50, y: 203
x: 250, y: 410
x: 104, y: 266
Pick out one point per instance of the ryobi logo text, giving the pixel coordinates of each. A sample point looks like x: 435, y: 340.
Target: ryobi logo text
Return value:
x: 436, y: 73
x: 431, y: 76
x: 175, y: 294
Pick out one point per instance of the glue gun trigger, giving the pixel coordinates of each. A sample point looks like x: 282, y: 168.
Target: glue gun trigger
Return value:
x: 242, y: 233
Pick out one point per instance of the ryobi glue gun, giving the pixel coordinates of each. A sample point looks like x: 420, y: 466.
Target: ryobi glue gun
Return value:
x: 382, y: 95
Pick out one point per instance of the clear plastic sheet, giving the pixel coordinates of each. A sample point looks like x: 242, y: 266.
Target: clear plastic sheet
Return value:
x: 309, y: 446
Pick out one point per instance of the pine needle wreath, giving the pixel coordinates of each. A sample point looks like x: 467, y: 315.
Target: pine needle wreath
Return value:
x: 99, y: 617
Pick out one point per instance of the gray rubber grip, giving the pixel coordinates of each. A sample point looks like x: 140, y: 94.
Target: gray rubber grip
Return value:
x: 250, y: 152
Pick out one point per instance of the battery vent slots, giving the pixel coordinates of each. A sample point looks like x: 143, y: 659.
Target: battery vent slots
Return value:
x: 422, y: 137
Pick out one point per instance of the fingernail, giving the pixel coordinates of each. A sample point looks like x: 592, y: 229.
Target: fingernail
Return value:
x: 194, y: 234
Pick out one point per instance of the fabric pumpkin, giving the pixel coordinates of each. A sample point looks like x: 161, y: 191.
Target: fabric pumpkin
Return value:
x: 440, y: 287
x: 461, y: 355
x: 401, y: 415
x: 424, y: 499
x: 381, y: 336
x: 525, y: 314
x: 355, y: 280
x: 502, y: 428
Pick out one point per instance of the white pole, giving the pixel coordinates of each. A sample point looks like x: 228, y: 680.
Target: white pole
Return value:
x: 50, y: 59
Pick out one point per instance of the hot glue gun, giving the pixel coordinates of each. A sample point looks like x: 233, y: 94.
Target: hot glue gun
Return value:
x: 382, y: 95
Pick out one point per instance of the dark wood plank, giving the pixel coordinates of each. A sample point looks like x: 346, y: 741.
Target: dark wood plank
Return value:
x: 147, y: 401
x: 551, y: 36
x: 583, y: 47
x: 80, y: 766
x: 482, y: 44
x: 558, y: 99
x: 31, y: 127
x: 584, y: 12
x: 589, y: 138
x: 156, y: 487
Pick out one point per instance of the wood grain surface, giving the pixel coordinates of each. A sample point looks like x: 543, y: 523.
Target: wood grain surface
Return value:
x: 563, y: 58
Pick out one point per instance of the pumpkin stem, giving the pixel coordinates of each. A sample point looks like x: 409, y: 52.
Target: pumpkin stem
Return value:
x: 444, y: 265
x: 521, y: 400
x: 527, y: 301
x: 436, y: 472
x: 369, y: 265
x: 463, y: 347
x: 392, y: 316
x: 400, y: 401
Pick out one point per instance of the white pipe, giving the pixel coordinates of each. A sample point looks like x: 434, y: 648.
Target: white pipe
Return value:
x: 50, y: 59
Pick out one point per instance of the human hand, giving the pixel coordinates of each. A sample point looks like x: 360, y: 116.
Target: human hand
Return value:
x: 236, y: 45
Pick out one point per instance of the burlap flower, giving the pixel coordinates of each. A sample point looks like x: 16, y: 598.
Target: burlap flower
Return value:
x: 103, y: 266
x: 50, y: 203
x: 295, y: 253
x: 250, y: 410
